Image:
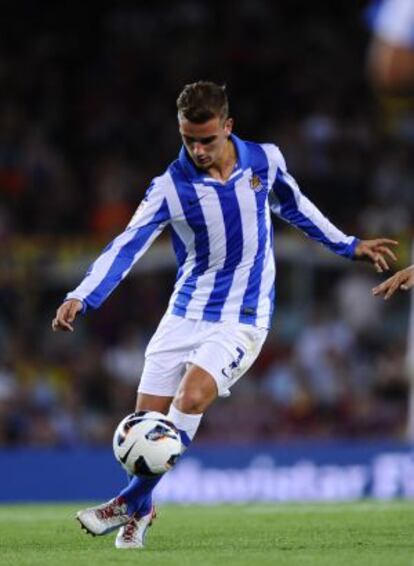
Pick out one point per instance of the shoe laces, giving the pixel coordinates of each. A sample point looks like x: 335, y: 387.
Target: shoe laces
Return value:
x: 113, y: 509
x: 132, y: 525
x: 129, y: 530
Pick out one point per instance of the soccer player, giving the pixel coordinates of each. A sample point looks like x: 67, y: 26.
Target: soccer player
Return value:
x: 403, y: 279
x: 391, y: 52
x: 391, y: 66
x: 215, y: 199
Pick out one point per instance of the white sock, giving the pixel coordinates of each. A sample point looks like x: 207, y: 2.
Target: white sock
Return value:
x: 185, y: 423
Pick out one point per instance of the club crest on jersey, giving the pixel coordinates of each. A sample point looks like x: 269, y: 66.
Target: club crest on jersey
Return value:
x: 255, y: 183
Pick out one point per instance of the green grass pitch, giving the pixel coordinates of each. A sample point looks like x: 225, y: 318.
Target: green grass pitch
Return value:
x: 280, y: 534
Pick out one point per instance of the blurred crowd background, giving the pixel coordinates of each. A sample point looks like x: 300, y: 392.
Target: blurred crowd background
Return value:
x: 87, y: 118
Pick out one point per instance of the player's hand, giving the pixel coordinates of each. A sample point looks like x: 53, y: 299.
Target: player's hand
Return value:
x: 403, y: 279
x: 66, y: 314
x: 377, y: 252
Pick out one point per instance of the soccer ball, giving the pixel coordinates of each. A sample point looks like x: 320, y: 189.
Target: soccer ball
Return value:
x: 146, y: 443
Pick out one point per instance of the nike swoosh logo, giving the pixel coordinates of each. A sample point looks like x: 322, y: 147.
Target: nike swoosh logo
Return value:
x: 224, y: 372
x: 192, y: 202
x: 125, y: 456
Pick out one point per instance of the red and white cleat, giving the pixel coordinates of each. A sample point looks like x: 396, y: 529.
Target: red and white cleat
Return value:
x: 103, y: 519
x: 132, y: 535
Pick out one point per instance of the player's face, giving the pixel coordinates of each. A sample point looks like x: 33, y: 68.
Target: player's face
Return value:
x: 205, y: 143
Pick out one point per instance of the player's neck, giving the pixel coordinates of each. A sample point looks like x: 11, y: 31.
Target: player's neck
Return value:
x: 223, y: 167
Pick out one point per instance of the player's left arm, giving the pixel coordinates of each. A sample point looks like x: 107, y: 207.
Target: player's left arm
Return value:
x: 288, y: 202
x: 377, y: 252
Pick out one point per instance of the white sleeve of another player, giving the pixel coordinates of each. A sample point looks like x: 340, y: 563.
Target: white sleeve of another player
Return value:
x: 394, y: 22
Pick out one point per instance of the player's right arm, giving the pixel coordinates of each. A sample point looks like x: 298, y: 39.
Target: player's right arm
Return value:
x: 117, y: 259
x: 66, y: 314
x: 403, y: 279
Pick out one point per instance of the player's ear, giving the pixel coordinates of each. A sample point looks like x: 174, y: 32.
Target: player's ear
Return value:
x: 228, y: 126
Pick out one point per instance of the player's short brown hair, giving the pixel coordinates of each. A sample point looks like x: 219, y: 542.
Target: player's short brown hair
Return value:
x: 199, y: 102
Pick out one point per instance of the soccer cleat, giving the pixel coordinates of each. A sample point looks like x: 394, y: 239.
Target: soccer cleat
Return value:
x: 132, y: 535
x: 104, y: 518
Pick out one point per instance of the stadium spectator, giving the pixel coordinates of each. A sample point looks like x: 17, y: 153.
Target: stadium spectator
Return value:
x: 323, y: 355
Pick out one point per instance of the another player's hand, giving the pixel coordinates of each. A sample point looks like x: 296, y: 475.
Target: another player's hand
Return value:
x: 66, y: 314
x: 378, y: 252
x: 403, y: 279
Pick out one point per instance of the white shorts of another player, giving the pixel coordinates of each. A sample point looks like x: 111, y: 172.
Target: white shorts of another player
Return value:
x: 226, y: 350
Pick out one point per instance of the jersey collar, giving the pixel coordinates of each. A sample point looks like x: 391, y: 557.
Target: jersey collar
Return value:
x: 195, y: 173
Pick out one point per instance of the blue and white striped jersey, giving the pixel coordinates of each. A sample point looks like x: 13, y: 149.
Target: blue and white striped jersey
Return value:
x: 221, y: 233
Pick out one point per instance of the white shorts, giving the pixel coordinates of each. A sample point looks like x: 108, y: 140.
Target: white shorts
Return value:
x: 226, y: 350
